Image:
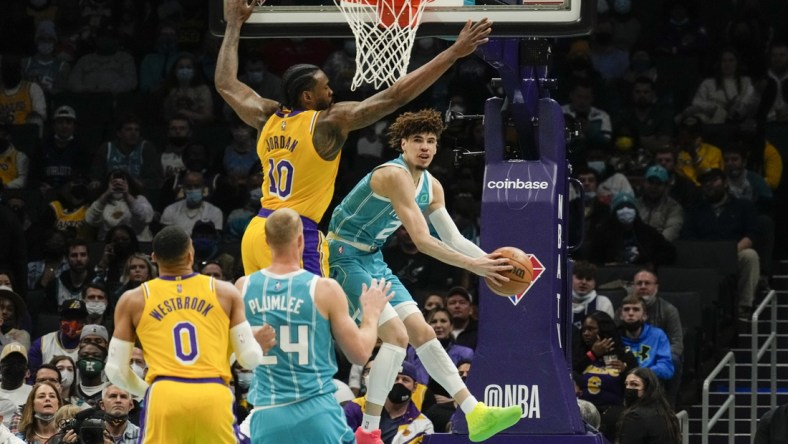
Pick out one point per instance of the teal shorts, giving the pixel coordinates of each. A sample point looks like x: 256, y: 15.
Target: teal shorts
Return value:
x: 318, y: 420
x: 352, y: 267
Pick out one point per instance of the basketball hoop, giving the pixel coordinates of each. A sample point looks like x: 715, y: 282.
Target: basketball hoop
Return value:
x: 384, y: 31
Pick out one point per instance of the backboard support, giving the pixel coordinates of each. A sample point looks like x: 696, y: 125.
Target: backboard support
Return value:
x: 441, y: 18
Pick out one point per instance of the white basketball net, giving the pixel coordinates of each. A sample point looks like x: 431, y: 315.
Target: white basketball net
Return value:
x: 382, y: 49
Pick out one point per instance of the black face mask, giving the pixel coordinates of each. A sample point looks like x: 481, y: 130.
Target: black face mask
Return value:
x: 116, y: 420
x: 11, y: 76
x: 178, y: 140
x: 13, y: 370
x: 399, y: 394
x: 633, y: 326
x: 630, y: 396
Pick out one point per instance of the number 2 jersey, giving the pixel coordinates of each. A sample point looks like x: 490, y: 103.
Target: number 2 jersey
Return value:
x: 369, y: 219
x: 184, y: 331
x: 302, y: 364
x: 294, y: 174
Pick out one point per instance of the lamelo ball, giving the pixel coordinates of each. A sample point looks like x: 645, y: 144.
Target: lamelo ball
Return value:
x: 519, y: 277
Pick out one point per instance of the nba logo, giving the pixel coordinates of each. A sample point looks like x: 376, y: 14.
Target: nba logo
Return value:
x: 283, y: 126
x: 278, y: 285
x: 179, y: 288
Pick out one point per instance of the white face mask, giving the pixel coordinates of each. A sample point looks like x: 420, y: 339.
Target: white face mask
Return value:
x: 96, y: 308
x: 245, y: 379
x: 66, y: 378
x: 626, y: 215
x: 138, y: 370
x: 597, y: 165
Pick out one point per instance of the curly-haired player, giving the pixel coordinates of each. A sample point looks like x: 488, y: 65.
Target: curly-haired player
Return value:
x: 402, y: 192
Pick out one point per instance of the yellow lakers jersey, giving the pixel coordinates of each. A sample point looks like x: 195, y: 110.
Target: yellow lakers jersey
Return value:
x: 8, y: 166
x: 65, y: 219
x: 184, y: 331
x: 294, y: 174
x: 16, y: 107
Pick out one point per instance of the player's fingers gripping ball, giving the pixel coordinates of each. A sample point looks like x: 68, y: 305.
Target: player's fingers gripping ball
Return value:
x: 519, y: 276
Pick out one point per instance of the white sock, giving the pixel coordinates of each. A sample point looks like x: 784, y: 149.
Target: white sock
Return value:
x: 381, y: 378
x: 438, y: 364
x: 468, y: 405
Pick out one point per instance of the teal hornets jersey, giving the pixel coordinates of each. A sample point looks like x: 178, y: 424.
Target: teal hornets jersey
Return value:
x: 302, y: 364
x: 369, y: 219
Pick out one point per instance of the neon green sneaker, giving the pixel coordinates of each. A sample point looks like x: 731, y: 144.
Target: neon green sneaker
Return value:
x: 484, y: 422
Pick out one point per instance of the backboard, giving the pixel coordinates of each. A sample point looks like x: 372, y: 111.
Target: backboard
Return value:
x: 442, y: 18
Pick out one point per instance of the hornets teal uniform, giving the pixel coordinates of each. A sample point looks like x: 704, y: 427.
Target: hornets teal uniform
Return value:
x: 293, y: 393
x: 360, y: 225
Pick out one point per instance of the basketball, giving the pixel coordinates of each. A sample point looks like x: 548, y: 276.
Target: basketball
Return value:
x: 519, y: 277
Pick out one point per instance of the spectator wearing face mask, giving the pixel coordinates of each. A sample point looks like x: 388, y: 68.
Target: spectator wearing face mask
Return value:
x: 401, y: 420
x: 36, y: 424
x: 44, y: 67
x: 65, y: 340
x: 97, y: 305
x: 92, y: 358
x: 13, y: 369
x: 66, y: 366
x: 186, y: 212
x: 648, y: 343
x: 187, y: 92
x: 585, y: 299
x: 116, y: 404
x: 625, y: 239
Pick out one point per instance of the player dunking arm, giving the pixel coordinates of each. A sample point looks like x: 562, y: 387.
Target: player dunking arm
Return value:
x: 184, y: 321
x: 402, y: 192
x: 301, y: 139
x: 294, y: 394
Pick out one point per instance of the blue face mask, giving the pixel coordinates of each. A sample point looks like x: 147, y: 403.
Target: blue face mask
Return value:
x: 184, y: 74
x: 193, y: 196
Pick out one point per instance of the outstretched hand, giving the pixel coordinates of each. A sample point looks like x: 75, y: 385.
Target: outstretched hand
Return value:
x: 489, y: 266
x: 238, y: 11
x: 266, y: 337
x: 375, y: 297
x: 471, y: 36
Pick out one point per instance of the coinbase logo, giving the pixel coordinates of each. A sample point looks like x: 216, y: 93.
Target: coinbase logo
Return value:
x: 517, y: 184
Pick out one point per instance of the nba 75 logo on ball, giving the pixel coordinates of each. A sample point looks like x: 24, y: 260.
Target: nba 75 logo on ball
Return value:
x: 526, y: 270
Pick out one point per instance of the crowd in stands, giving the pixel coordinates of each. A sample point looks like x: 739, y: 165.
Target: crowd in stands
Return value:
x: 110, y: 129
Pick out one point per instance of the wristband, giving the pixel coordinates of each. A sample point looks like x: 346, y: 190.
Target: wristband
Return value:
x: 591, y: 356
